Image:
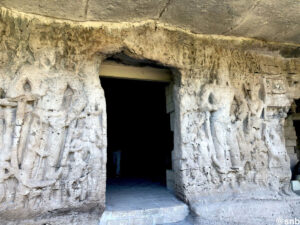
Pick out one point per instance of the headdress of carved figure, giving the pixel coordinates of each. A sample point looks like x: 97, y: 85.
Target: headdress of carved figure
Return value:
x: 27, y: 86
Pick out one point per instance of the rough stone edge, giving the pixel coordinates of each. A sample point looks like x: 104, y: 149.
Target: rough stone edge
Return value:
x: 151, y: 22
x: 73, y: 218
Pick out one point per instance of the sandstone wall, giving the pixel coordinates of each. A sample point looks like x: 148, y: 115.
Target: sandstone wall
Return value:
x: 231, y: 99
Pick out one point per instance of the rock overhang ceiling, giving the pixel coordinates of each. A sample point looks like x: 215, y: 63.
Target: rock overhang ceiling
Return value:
x: 269, y: 20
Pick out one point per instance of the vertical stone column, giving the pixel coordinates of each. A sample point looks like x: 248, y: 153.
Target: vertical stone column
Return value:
x: 290, y: 140
x: 170, y: 108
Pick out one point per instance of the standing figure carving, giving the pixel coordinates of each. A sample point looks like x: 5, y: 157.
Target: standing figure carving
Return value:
x: 217, y: 99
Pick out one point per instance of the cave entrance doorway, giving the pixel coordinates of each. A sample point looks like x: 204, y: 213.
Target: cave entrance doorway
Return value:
x: 139, y: 137
x: 140, y: 112
x: 140, y: 118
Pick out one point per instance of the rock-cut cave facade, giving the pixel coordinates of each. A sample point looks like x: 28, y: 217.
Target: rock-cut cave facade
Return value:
x: 231, y: 97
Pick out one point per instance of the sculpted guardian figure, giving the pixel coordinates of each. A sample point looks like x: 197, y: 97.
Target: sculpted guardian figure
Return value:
x: 217, y: 98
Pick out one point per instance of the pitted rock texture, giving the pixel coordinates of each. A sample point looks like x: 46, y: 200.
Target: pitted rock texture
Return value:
x: 231, y: 99
x: 232, y: 132
x: 53, y: 140
x: 271, y: 20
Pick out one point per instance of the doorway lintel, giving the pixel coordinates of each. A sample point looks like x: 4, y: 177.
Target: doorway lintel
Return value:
x: 146, y: 73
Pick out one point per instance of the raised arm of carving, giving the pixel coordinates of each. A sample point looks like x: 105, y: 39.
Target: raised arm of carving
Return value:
x: 7, y: 102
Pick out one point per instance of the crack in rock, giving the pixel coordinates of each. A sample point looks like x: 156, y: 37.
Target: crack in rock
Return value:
x: 244, y: 19
x: 164, y: 9
x: 86, y: 9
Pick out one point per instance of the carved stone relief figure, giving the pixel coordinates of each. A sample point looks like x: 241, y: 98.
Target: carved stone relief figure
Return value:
x: 217, y: 99
x: 50, y: 136
x: 7, y: 109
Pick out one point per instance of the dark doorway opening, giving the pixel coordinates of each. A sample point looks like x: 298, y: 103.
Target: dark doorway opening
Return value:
x: 296, y: 122
x: 138, y: 130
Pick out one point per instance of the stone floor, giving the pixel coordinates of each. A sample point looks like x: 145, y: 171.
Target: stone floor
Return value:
x: 141, y: 202
x: 188, y: 221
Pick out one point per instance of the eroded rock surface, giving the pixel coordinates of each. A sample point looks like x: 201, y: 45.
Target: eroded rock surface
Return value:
x: 231, y: 99
x: 271, y: 20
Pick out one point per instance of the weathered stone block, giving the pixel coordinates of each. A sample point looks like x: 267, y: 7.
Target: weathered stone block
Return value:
x: 291, y: 143
x: 295, y: 185
x: 290, y: 150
